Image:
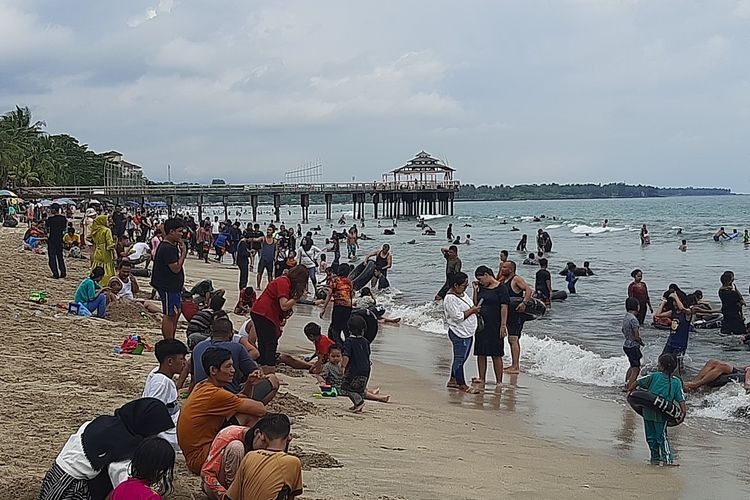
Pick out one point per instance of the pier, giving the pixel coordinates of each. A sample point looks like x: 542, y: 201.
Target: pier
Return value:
x: 424, y: 186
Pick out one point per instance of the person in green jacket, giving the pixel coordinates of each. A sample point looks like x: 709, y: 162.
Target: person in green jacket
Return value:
x: 90, y: 293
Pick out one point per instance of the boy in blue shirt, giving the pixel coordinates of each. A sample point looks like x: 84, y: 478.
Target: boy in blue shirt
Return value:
x: 663, y: 384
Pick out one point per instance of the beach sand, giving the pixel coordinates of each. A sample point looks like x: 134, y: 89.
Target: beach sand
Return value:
x: 59, y: 371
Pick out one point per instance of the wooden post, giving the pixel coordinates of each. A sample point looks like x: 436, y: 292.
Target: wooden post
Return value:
x: 254, y: 204
x: 226, y: 209
x: 200, y: 209
x: 277, y: 206
x: 329, y: 201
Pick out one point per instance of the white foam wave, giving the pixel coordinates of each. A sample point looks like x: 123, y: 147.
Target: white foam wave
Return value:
x: 554, y: 226
x: 465, y: 217
x: 431, y: 216
x: 557, y: 358
x: 584, y: 229
x: 728, y: 403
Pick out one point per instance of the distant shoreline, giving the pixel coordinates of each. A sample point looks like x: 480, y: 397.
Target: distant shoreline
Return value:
x: 599, y: 197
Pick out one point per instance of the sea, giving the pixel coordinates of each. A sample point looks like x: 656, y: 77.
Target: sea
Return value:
x: 579, y: 341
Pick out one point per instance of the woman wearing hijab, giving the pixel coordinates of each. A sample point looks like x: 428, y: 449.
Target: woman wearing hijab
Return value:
x: 104, y: 246
x: 80, y: 470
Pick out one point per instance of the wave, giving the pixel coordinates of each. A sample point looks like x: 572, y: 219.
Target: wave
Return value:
x: 554, y: 226
x: 584, y: 229
x: 431, y: 216
x: 557, y: 358
x: 728, y: 403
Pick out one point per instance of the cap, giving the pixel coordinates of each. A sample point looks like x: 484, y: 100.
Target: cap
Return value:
x: 90, y: 212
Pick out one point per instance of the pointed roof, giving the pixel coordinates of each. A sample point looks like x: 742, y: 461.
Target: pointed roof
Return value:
x: 423, y: 162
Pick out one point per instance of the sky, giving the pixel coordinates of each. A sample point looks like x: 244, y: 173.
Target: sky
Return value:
x: 510, y: 92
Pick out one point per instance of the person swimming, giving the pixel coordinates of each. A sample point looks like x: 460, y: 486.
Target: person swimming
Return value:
x: 720, y: 234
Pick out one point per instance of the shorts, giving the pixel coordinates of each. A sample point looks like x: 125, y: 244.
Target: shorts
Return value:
x: 265, y: 266
x: 634, y: 356
x: 515, y: 325
x: 677, y: 351
x: 171, y: 303
x: 268, y: 340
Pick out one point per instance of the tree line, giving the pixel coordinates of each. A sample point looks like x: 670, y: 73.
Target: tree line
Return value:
x: 556, y: 191
x: 29, y: 156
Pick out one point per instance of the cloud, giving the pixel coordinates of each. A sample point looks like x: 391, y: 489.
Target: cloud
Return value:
x: 578, y: 91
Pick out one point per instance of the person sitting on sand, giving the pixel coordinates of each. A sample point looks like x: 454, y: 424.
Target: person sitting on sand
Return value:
x: 228, y: 449
x: 245, y: 301
x: 332, y: 375
x: 199, y: 327
x: 210, y: 407
x: 71, y: 239
x: 124, y: 286
x: 151, y: 471
x: 170, y: 353
x: 713, y: 369
x: 91, y: 295
x: 248, y: 378
x: 268, y: 472
x: 80, y: 470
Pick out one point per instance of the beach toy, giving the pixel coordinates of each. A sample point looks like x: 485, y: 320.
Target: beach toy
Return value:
x: 328, y: 391
x: 133, y: 345
x: 38, y: 296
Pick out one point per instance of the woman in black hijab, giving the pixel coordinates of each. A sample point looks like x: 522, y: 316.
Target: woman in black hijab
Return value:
x: 80, y: 470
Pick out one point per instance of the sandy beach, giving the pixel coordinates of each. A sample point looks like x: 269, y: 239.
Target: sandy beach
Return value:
x: 60, y: 370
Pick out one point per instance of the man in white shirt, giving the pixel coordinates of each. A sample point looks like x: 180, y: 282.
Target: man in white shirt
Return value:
x: 160, y: 382
x: 140, y: 252
x: 215, y: 228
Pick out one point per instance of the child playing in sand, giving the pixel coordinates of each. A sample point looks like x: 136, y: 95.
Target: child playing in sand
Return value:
x: 322, y: 347
x: 663, y: 384
x: 332, y: 375
x: 152, y: 467
x: 355, y: 363
x: 245, y: 301
x: 633, y: 342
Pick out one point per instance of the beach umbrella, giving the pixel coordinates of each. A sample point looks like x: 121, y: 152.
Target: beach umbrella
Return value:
x: 4, y: 193
x: 92, y: 201
x: 64, y: 201
x: 132, y: 204
x: 45, y: 203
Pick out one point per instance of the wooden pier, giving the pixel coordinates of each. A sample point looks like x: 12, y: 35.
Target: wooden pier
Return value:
x: 423, y: 186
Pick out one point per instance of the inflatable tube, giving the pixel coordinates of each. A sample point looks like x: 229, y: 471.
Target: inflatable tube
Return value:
x: 534, y: 309
x: 559, y: 295
x: 362, y: 274
x: 389, y: 232
x: 141, y: 273
x: 666, y: 324
x: 714, y: 321
x: 725, y: 379
x: 578, y: 271
x: 321, y: 293
x: 639, y: 400
x: 372, y: 323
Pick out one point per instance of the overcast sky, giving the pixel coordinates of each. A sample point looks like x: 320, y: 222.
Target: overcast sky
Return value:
x: 656, y: 92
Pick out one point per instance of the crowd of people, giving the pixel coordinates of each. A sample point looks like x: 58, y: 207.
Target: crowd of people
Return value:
x: 207, y: 397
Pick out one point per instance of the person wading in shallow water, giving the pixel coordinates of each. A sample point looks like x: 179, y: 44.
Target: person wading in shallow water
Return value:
x: 517, y: 287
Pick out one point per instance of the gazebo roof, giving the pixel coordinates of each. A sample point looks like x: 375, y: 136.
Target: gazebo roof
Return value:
x: 423, y: 162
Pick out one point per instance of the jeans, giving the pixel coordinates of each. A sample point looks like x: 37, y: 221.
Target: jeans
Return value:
x: 56, y: 261
x: 461, y: 350
x: 98, y: 306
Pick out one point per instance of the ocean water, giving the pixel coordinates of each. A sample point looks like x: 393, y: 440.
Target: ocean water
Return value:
x: 579, y: 340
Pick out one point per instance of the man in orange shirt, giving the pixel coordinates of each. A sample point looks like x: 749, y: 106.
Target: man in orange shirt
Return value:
x: 210, y: 406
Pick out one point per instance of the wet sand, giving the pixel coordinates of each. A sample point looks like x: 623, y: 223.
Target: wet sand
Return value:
x: 59, y: 371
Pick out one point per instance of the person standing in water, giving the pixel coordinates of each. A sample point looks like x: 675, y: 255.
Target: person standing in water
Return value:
x: 517, y: 287
x: 452, y: 266
x: 521, y: 247
x: 645, y: 238
x: 503, y: 260
x: 731, y: 306
x: 449, y: 233
x: 639, y: 291
x: 492, y: 297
